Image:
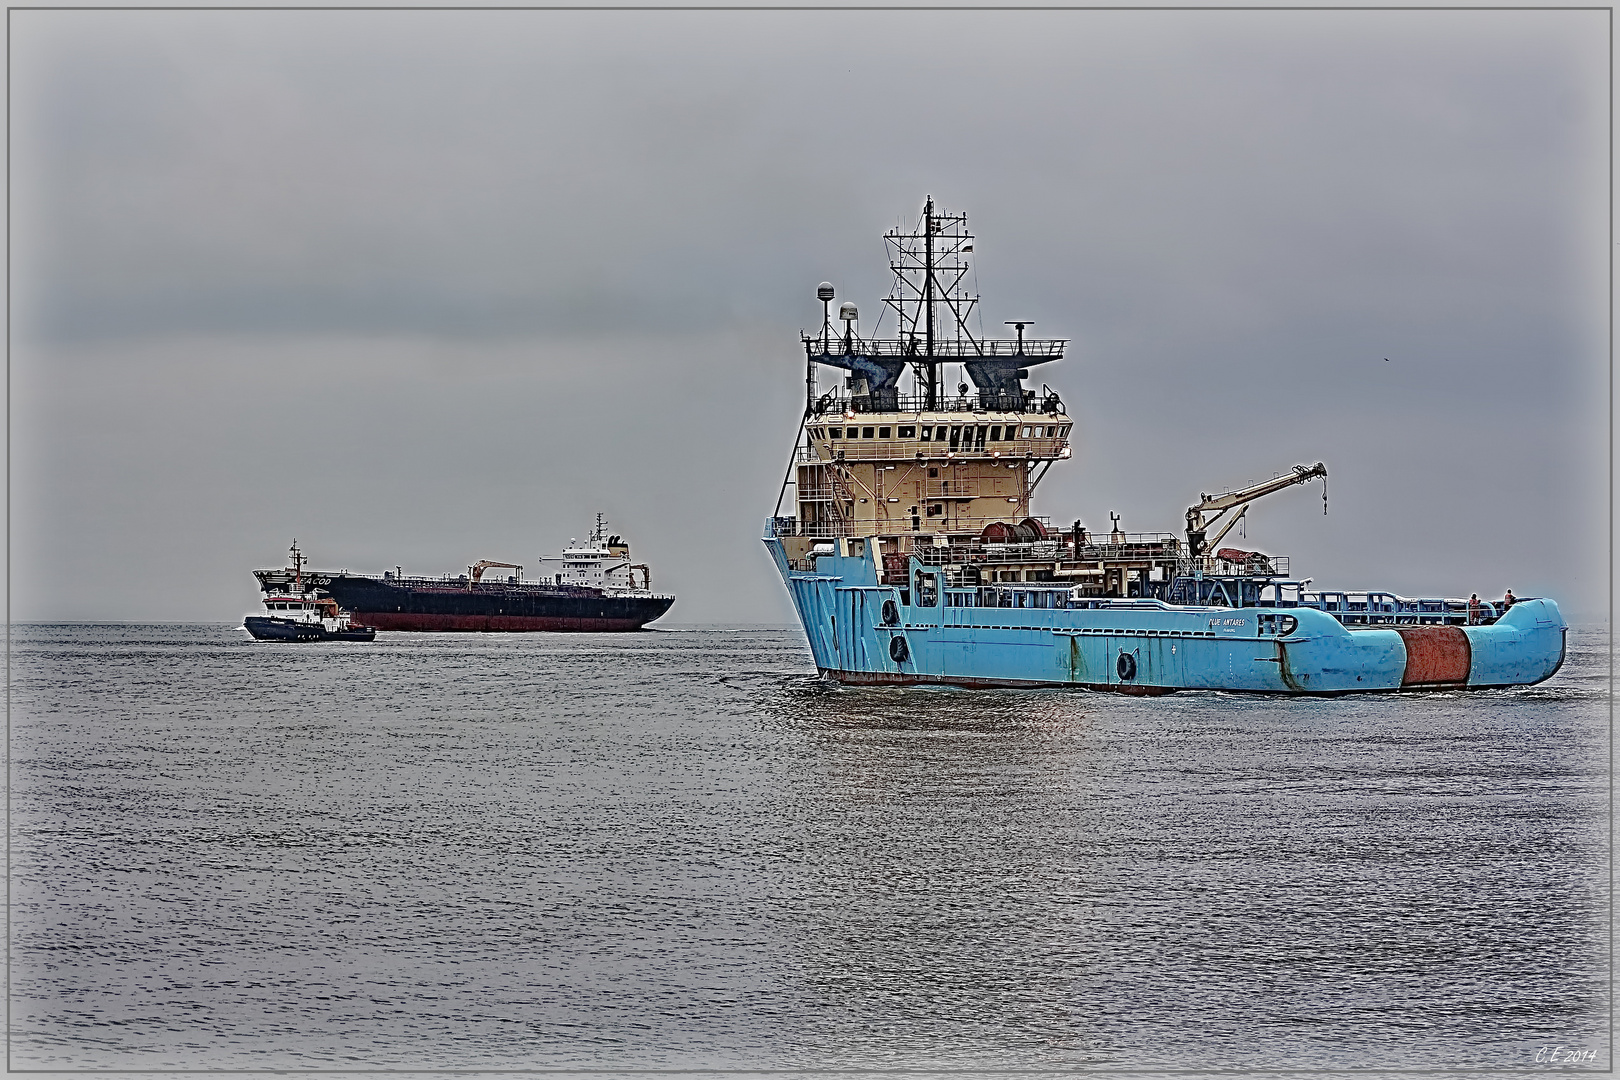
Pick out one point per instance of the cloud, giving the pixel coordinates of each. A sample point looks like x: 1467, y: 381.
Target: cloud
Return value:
x: 1229, y: 213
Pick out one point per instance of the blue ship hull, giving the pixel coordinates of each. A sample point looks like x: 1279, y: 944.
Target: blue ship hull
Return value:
x: 863, y: 631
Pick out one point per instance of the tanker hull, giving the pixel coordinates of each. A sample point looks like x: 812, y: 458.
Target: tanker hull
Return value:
x: 480, y: 608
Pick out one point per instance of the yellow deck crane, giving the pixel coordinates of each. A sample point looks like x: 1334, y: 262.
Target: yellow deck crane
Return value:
x: 1216, y: 506
x: 477, y: 569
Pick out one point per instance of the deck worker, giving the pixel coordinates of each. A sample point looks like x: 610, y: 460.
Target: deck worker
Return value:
x: 1473, y: 609
x: 1509, y: 600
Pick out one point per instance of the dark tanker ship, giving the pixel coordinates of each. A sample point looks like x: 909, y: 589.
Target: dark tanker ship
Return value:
x: 594, y: 589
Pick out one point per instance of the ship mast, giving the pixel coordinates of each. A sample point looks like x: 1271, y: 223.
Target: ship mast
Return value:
x: 930, y: 269
x: 928, y: 298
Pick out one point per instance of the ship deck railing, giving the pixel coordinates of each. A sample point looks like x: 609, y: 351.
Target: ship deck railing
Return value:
x: 1370, y: 608
x: 1256, y: 566
x: 911, y: 349
x: 916, y: 404
x: 913, y: 450
x: 1130, y: 547
x: 833, y: 530
x: 1372, y: 611
x: 1057, y: 552
x: 463, y: 584
x: 1381, y: 608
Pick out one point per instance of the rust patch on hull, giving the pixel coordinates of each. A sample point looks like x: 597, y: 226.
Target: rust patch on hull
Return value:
x: 1435, y: 654
x: 1285, y: 672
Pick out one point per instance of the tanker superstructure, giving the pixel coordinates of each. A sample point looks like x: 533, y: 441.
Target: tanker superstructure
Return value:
x: 915, y: 555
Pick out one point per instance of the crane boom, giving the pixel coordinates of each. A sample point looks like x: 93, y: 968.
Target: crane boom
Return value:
x: 479, y: 567
x: 1215, y: 506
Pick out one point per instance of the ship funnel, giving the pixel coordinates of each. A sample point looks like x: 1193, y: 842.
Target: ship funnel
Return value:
x: 847, y: 312
x: 824, y: 291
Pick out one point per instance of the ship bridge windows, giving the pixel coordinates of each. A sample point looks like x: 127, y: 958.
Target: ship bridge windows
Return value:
x: 883, y: 432
x: 866, y: 433
x: 835, y: 433
x: 908, y: 431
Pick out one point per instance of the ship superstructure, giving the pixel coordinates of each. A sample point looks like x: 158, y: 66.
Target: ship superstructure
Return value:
x: 914, y: 554
x: 932, y: 462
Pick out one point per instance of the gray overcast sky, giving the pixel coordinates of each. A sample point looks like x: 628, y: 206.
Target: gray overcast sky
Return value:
x: 430, y: 287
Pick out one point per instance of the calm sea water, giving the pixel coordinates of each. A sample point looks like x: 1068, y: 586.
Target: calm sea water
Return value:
x: 682, y: 850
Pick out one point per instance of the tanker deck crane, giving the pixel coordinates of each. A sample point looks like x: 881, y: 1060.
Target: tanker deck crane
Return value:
x: 477, y: 569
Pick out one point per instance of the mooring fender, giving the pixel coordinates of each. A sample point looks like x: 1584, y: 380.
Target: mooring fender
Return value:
x: 1435, y: 654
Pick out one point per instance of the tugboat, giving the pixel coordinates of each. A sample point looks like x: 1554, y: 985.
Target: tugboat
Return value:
x: 914, y: 556
x: 596, y: 588
x: 292, y: 614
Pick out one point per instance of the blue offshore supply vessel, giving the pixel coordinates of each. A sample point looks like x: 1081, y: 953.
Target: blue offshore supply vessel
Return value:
x: 914, y: 556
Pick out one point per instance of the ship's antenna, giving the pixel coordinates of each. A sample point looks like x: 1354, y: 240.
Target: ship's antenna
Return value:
x: 1021, y: 325
x: 298, y: 566
x: 824, y: 293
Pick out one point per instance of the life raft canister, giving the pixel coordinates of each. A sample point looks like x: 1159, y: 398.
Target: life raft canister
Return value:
x: 891, y: 613
x: 899, y: 651
x: 1126, y: 667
